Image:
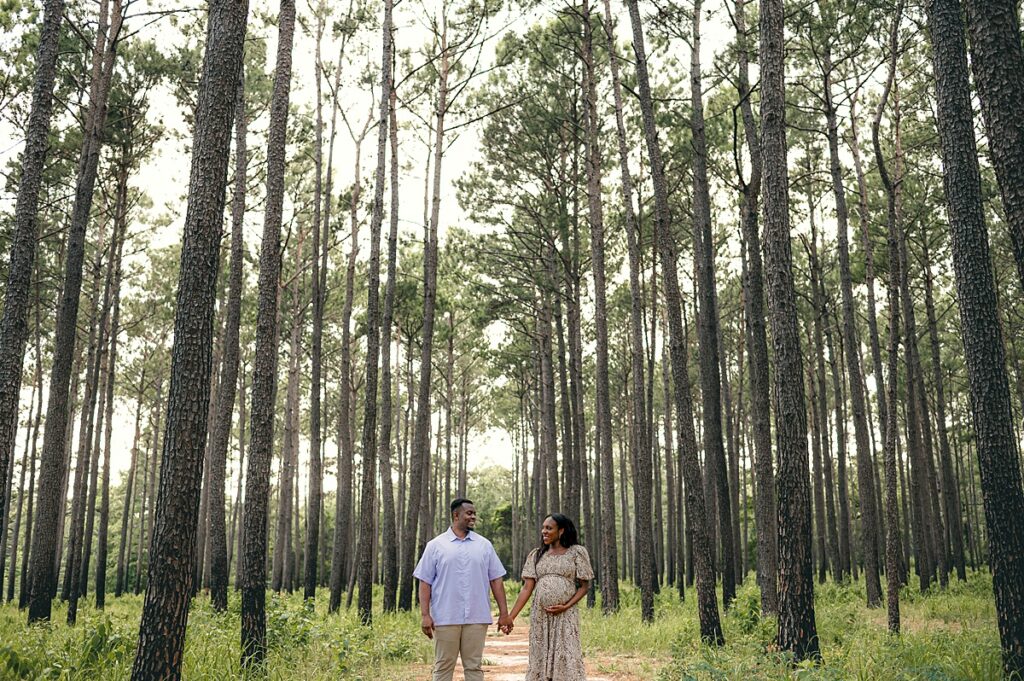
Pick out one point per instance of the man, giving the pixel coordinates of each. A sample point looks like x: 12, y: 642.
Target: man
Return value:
x: 455, y: 571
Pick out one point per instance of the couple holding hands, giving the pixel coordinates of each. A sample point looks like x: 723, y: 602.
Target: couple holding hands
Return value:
x: 459, y: 566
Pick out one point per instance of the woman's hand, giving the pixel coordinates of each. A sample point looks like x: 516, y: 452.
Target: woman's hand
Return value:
x: 557, y: 609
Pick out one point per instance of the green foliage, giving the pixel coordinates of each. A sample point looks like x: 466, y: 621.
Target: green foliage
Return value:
x: 948, y: 635
x: 303, y: 642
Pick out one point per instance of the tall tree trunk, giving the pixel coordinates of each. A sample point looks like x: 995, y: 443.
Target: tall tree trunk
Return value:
x: 950, y: 506
x: 24, y: 591
x: 169, y: 587
x: 51, y: 470
x: 8, y: 484
x: 389, y: 539
x: 797, y: 632
x: 864, y: 217
x: 976, y: 294
x: 14, y: 323
x: 818, y: 300
x: 603, y: 414
x: 710, y: 376
x: 997, y: 60
x: 341, y: 554
x: 314, y: 501
x: 731, y: 428
x: 892, y: 544
x: 221, y: 433
x: 146, y: 514
x: 92, y: 363
x: 753, y: 305
x: 264, y: 380
x: 707, y: 608
x: 420, y: 453
x: 287, y: 502
x: 102, y: 384
x: 892, y: 568
x: 239, y: 507
x: 851, y: 348
x: 839, y: 391
x: 128, y: 506
x: 820, y: 552
x: 121, y: 217
x: 368, y: 502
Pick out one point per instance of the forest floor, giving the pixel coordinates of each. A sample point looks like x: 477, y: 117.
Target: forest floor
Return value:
x: 947, y: 635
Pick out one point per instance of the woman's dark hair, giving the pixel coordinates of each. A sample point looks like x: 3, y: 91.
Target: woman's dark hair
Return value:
x: 570, y: 537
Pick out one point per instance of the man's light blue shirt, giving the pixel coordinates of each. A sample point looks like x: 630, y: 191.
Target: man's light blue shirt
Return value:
x: 459, y: 572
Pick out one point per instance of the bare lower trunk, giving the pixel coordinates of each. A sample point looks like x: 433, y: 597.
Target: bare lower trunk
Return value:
x: 264, y: 382
x: 169, y: 588
x: 707, y: 608
x: 976, y: 295
x: 229, y: 369
x: 797, y: 632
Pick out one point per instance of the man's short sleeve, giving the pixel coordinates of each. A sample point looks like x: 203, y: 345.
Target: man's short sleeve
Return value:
x: 426, y: 569
x: 494, y: 568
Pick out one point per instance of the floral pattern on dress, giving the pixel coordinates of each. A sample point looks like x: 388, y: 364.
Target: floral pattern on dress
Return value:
x: 556, y: 653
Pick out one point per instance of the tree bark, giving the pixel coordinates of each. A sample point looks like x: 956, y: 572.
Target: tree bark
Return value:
x: 221, y: 434
x: 976, y: 294
x: 707, y: 608
x: 851, y: 348
x: 950, y: 506
x: 997, y: 60
x: 797, y: 631
x: 287, y: 502
x: 14, y: 323
x: 753, y: 306
x: 341, y: 554
x: 368, y: 502
x: 264, y: 382
x: 51, y: 470
x: 389, y: 539
x: 602, y: 414
x: 128, y: 506
x: 121, y: 227
x: 169, y: 587
x: 710, y: 376
x: 314, y: 500
x: 420, y: 454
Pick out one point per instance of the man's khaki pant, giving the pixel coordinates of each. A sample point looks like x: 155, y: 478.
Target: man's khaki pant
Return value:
x: 455, y: 640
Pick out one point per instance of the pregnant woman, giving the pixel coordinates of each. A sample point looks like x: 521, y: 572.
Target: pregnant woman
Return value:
x: 557, y: 575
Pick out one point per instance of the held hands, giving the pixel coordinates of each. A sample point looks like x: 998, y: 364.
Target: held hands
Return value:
x: 505, y: 624
x: 427, y: 626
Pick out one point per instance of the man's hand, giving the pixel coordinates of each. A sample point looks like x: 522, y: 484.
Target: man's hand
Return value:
x: 505, y: 624
x: 427, y: 626
x: 556, y: 609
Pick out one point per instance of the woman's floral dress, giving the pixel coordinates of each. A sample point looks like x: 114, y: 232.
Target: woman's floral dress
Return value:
x: 555, y: 650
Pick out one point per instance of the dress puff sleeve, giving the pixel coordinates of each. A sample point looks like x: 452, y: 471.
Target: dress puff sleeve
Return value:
x: 584, y: 572
x: 530, y: 566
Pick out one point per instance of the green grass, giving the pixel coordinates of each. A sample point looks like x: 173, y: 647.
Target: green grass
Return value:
x: 946, y: 635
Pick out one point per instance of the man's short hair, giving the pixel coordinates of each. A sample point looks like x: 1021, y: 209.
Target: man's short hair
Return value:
x: 457, y: 504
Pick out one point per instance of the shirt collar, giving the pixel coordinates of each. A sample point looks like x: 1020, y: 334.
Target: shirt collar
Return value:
x: 450, y: 534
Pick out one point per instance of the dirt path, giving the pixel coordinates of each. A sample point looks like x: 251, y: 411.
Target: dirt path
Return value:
x: 506, y: 659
